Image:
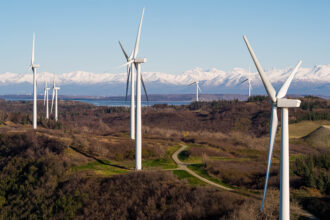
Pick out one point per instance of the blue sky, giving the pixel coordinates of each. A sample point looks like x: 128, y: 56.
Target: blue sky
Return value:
x: 176, y: 35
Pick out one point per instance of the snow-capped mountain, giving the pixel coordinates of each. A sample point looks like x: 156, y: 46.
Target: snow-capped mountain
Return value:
x: 314, y: 80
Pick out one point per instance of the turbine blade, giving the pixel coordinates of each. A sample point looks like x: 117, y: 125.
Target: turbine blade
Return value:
x: 243, y: 81
x: 285, y: 87
x: 136, y: 48
x: 45, y: 97
x: 199, y: 88
x: 32, y: 58
x: 30, y: 67
x: 273, y: 129
x: 131, y: 56
x: 144, y: 88
x: 127, y: 81
x: 122, y: 48
x: 126, y: 64
x: 268, y: 86
x: 191, y: 84
x: 51, y: 108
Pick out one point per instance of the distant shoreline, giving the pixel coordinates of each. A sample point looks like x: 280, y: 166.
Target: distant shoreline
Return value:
x: 152, y: 97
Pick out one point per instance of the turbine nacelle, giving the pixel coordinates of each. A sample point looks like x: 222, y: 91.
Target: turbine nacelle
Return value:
x: 288, y: 103
x: 140, y: 60
x: 136, y: 60
x: 35, y: 66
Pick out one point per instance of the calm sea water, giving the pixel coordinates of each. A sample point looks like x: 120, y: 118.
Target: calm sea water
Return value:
x: 127, y: 103
x: 113, y: 103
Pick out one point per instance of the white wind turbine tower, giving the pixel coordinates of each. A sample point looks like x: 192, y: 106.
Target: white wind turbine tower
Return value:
x: 198, y: 89
x: 249, y: 80
x: 46, y: 100
x: 278, y: 102
x: 138, y: 123
x: 55, y: 92
x: 131, y: 76
x: 34, y: 70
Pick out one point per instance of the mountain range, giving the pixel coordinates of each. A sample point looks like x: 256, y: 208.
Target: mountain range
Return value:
x: 308, y: 81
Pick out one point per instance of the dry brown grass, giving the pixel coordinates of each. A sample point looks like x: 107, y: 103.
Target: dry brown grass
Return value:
x: 248, y: 174
x: 162, y: 133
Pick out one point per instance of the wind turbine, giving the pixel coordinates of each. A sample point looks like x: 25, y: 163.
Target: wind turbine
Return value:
x: 197, y: 88
x: 34, y: 70
x: 131, y: 76
x: 278, y: 101
x: 55, y: 91
x: 137, y: 64
x: 46, y: 99
x: 249, y: 80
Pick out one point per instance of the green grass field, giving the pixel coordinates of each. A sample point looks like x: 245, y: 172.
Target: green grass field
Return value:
x: 185, y: 157
x: 171, y: 150
x: 100, y: 168
x: 303, y: 128
x: 229, y: 159
x: 199, y: 169
x: 165, y: 163
x: 184, y: 175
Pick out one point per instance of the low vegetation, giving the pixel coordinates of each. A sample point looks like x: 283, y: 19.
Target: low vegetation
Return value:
x: 81, y: 167
x: 314, y: 171
x: 36, y: 182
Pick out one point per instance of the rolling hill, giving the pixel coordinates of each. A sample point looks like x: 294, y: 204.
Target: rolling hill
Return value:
x: 319, y: 137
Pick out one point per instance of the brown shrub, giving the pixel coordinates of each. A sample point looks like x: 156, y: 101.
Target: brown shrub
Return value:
x: 154, y: 195
x: 249, y: 174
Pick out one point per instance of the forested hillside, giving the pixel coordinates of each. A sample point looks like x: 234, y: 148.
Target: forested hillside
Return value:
x: 82, y: 167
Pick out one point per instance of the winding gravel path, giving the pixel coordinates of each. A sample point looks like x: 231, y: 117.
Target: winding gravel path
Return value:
x: 183, y: 166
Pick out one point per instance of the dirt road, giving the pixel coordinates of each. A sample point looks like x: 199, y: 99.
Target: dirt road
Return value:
x: 183, y: 166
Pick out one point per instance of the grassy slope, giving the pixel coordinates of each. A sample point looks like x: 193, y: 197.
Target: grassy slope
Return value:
x: 100, y: 168
x: 162, y: 163
x: 184, y: 175
x: 198, y: 168
x: 320, y: 137
x: 303, y: 128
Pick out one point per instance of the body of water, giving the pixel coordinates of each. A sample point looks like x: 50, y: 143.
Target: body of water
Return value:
x: 127, y: 103
x: 112, y: 103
